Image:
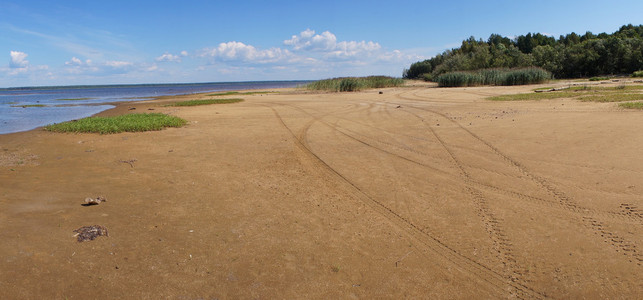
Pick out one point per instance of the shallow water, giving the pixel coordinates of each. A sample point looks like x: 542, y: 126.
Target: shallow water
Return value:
x: 74, y: 102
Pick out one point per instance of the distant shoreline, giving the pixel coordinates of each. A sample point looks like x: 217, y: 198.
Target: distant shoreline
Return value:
x: 18, y: 111
x: 90, y: 86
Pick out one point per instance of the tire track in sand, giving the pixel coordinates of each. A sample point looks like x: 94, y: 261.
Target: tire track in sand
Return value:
x: 500, y: 281
x: 584, y: 215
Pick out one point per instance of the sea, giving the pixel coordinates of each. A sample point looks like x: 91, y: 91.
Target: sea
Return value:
x: 27, y: 108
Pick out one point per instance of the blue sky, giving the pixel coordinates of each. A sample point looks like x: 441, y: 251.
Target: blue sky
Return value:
x: 113, y: 42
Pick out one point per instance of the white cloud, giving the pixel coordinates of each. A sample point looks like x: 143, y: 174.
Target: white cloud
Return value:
x: 307, y: 40
x: 77, y: 62
x: 170, y: 57
x: 118, y: 64
x: 237, y: 51
x: 18, y: 60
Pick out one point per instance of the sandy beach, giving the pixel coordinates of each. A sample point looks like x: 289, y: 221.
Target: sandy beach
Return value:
x: 415, y: 192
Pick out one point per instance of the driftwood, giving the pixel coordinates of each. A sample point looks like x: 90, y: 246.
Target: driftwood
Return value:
x: 552, y: 89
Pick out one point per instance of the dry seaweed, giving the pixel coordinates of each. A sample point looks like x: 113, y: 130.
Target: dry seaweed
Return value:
x: 89, y: 233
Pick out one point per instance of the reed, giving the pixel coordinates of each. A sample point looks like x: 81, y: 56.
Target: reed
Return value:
x: 494, y: 77
x: 351, y: 84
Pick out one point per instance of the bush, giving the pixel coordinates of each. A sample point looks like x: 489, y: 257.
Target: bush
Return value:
x: 427, y: 77
x: 638, y: 74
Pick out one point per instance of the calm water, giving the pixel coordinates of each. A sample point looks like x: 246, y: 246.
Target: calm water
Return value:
x: 74, y: 102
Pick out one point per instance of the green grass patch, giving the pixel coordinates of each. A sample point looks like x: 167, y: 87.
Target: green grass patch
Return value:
x: 535, y: 96
x: 29, y: 105
x: 631, y: 105
x: 638, y: 74
x: 494, y: 77
x: 206, y: 102
x: 352, y: 84
x: 612, y: 97
x: 239, y: 93
x: 124, y: 123
x: 598, y: 78
x: 75, y: 99
x: 584, y: 93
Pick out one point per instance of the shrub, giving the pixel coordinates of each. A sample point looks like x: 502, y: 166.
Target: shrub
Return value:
x: 427, y: 77
x: 638, y: 74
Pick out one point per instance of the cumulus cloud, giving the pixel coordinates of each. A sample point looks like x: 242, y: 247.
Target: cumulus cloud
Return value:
x: 308, y: 40
x: 77, y: 62
x: 169, y: 57
x: 238, y: 51
x: 18, y: 60
x: 327, y: 44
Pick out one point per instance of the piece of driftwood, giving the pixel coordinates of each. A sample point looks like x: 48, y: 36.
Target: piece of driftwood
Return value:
x: 89, y: 233
x: 94, y: 201
x: 552, y: 89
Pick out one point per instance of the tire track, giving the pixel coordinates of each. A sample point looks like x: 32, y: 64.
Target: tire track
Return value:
x: 498, y: 280
x: 552, y: 203
x: 587, y: 215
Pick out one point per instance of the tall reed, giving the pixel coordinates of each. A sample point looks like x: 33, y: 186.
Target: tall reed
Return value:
x: 351, y: 84
x: 494, y: 77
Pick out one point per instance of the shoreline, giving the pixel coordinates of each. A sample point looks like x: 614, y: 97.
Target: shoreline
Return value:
x: 154, y: 99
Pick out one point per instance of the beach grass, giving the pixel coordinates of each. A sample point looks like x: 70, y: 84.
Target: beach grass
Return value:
x: 29, y: 105
x: 353, y: 84
x: 534, y: 96
x: 117, y: 124
x: 206, y: 102
x: 631, y: 105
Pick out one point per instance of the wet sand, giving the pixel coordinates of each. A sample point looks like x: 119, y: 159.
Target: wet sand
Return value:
x: 417, y: 192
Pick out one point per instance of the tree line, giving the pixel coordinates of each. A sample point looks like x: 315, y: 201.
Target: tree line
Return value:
x: 569, y: 56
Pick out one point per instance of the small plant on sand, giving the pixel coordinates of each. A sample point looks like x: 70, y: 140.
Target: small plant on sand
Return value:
x: 124, y: 123
x: 206, y: 102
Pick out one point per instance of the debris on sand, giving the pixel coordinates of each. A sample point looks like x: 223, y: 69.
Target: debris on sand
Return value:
x: 89, y: 233
x: 94, y: 201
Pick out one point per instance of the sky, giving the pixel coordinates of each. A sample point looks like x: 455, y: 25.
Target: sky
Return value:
x: 45, y: 43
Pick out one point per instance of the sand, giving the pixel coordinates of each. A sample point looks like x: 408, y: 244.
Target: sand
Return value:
x: 417, y: 192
